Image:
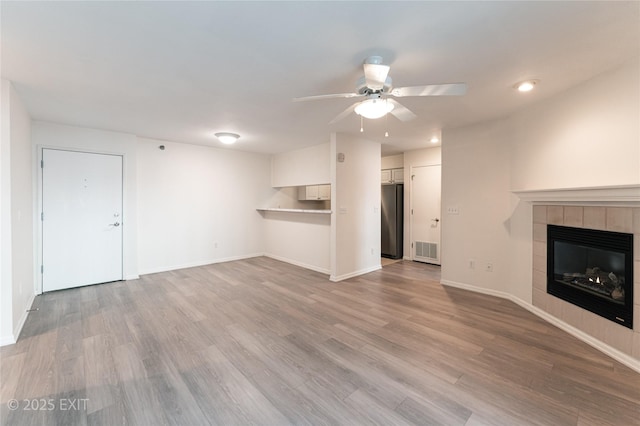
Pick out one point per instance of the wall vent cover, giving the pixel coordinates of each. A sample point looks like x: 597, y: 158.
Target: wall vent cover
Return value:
x: 426, y: 250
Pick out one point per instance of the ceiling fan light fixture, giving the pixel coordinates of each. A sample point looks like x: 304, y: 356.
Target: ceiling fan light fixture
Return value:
x: 374, y: 108
x: 227, y: 138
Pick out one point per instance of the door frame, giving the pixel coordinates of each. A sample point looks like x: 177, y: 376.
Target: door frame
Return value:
x: 412, y: 199
x: 38, y: 247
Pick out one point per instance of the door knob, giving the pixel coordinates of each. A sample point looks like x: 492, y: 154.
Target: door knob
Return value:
x: 436, y: 220
x: 115, y: 224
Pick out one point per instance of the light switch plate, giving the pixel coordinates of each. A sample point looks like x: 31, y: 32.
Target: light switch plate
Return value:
x: 453, y: 210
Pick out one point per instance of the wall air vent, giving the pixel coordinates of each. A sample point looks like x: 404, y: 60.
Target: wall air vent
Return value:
x: 426, y: 250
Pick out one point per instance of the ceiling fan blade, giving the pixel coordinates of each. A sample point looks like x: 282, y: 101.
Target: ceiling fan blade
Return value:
x: 375, y: 75
x: 453, y: 89
x: 332, y: 96
x: 343, y: 114
x: 400, y: 111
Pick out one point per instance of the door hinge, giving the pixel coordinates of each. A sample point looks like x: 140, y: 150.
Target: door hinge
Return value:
x: 42, y: 269
x: 412, y: 176
x: 411, y: 245
x: 42, y: 216
x: 42, y: 164
x: 411, y: 211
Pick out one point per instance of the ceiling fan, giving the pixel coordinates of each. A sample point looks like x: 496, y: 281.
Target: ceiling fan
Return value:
x: 376, y: 91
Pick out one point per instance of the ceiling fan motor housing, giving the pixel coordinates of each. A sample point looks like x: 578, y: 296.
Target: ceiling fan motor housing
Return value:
x: 363, y: 89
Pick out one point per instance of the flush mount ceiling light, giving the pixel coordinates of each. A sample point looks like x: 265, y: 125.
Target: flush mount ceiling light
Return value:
x: 374, y: 108
x: 227, y: 138
x: 526, y: 86
x: 435, y: 139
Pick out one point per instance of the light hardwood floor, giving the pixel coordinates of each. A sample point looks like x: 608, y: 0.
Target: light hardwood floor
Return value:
x: 263, y: 342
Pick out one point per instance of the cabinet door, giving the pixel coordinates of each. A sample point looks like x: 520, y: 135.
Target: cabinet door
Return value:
x: 324, y: 192
x: 312, y: 192
x: 308, y: 193
x: 397, y: 175
x: 385, y: 176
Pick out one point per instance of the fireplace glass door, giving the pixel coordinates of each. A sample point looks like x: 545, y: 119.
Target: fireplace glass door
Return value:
x: 592, y: 269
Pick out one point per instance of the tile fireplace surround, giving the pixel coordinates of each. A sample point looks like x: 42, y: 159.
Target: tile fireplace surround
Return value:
x: 619, y: 219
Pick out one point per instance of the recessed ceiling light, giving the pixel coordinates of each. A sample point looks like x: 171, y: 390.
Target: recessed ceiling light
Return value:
x: 526, y: 86
x: 435, y: 139
x: 227, y: 138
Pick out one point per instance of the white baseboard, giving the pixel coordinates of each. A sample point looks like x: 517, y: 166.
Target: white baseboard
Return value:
x: 297, y: 263
x: 13, y: 338
x: 354, y: 274
x: 614, y: 353
x: 200, y: 263
x: 7, y: 340
x: 23, y: 318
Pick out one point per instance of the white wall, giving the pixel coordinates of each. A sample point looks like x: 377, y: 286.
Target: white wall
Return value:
x: 197, y: 205
x: 475, y: 178
x: 50, y: 135
x: 415, y: 158
x: 355, y: 214
x: 392, y: 162
x: 22, y: 256
x: 6, y: 288
x: 301, y: 239
x: 587, y: 136
x: 306, y: 166
x: 16, y: 211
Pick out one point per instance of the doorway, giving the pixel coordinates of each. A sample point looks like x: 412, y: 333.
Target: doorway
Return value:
x: 82, y: 219
x: 425, y: 213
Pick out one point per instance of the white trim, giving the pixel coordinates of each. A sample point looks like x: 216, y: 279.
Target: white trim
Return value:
x: 300, y: 264
x: 475, y: 289
x: 354, y: 274
x: 269, y: 209
x: 131, y: 277
x: 199, y: 263
x: 604, y: 195
x: 614, y: 353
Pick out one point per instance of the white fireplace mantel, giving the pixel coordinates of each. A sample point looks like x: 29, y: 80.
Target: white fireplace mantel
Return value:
x: 622, y: 195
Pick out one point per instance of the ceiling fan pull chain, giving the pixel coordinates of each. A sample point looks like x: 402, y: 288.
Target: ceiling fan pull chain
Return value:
x: 386, y: 123
x: 361, y: 124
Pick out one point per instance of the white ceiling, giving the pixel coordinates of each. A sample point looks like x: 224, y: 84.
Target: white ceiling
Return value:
x: 180, y: 71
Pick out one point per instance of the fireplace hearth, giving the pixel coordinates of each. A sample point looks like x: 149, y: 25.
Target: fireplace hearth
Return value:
x: 592, y: 269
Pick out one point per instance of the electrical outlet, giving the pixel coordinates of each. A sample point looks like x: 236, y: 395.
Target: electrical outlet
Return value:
x: 488, y: 267
x: 453, y: 210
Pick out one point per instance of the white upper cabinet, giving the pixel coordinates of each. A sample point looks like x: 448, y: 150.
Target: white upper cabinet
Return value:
x: 392, y: 176
x: 314, y: 192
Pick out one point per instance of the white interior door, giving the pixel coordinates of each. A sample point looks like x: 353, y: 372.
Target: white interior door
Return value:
x: 81, y: 219
x: 425, y: 217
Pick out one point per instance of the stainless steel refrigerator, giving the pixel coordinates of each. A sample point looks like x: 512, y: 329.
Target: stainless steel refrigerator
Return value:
x: 392, y: 220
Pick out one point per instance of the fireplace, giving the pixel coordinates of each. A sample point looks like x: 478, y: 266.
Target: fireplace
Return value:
x: 592, y: 269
